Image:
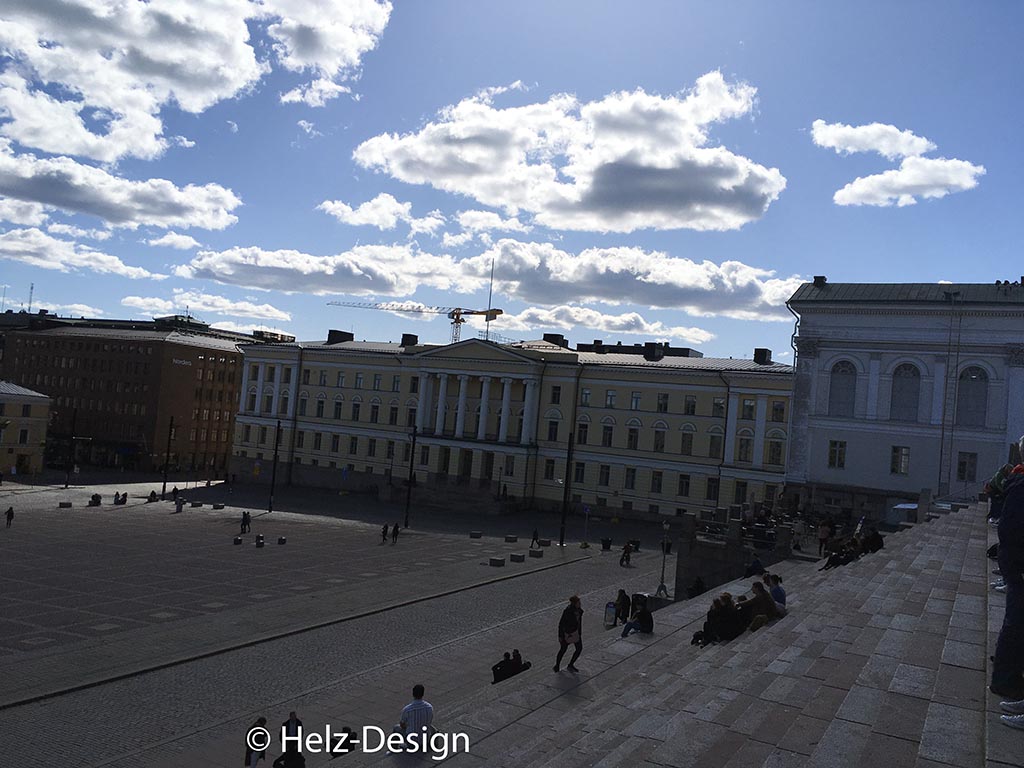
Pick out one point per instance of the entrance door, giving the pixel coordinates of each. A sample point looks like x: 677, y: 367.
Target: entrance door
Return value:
x: 465, y: 464
x: 488, y: 469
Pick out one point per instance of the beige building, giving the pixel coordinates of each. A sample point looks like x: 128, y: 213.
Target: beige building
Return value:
x: 24, y: 415
x: 655, y: 430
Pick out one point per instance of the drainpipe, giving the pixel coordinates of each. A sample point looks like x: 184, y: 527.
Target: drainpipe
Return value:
x: 567, y: 489
x: 724, y: 432
x: 536, y: 431
x: 295, y: 418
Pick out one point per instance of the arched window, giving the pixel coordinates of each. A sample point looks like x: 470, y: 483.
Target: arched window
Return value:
x: 972, y: 397
x: 842, y: 390
x: 906, y: 391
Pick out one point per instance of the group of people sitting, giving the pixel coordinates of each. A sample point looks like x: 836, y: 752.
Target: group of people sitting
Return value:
x: 121, y: 498
x: 510, y: 666
x: 641, y: 620
x: 728, y: 619
x: 843, y: 552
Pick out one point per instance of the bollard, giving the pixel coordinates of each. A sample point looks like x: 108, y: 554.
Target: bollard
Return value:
x: 282, y: 540
x: 65, y: 505
x: 544, y: 542
x: 511, y: 539
x: 606, y: 545
x: 218, y: 506
x: 259, y: 540
x: 497, y: 562
x: 476, y: 534
x: 536, y: 553
x: 196, y: 504
x: 517, y: 557
x: 238, y: 540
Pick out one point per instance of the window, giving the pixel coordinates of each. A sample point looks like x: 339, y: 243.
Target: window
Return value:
x: 359, y: 381
x: 632, y: 438
x: 26, y: 410
x: 715, y: 447
x: 23, y: 437
x: 556, y: 395
x: 374, y: 413
x: 659, y: 441
x: 604, y: 475
x: 549, y: 469
x: 582, y: 431
x: 966, y: 467
x: 683, y: 487
x: 340, y: 380
x: 718, y: 407
x: 320, y: 408
x: 393, y: 415
x: 609, y: 398
x: 376, y: 382
x: 585, y: 397
x: 510, y: 466
x: 906, y: 389
x: 663, y: 402
x: 355, y: 411
x: 424, y: 455
x: 262, y: 438
x: 837, y: 454
x: 410, y: 418
x: 656, y: 478
x: 578, y: 472
x: 246, y: 433
x: 778, y: 410
x: 607, y: 431
x: 690, y: 405
x: 302, y: 406
x: 634, y: 401
x: 406, y: 450
x: 286, y: 375
x: 739, y: 493
x: 711, y: 489
x: 686, y: 448
x: 335, y: 443
x: 322, y: 379
x: 842, y: 389
x: 268, y: 404
x: 414, y: 385
x: 745, y: 449
x: 396, y: 383
x: 371, y: 447
x: 630, y: 482
x: 305, y: 375
x: 337, y: 409
x: 972, y: 398
x: 252, y: 402
x: 747, y: 409
x: 300, y: 438
x: 389, y: 451
x: 627, y: 506
x: 775, y: 452
x: 318, y: 440
x: 553, y: 431
x: 899, y: 464
x: 353, y: 445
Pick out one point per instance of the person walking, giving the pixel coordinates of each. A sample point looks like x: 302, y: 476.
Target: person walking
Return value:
x: 384, y: 534
x: 536, y: 539
x: 394, y: 534
x: 10, y: 516
x: 247, y: 518
x: 570, y: 632
x: 823, y: 536
x: 253, y: 756
x: 624, y: 558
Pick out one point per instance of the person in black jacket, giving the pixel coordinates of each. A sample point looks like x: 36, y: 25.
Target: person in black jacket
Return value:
x: 1008, y: 663
x: 570, y: 632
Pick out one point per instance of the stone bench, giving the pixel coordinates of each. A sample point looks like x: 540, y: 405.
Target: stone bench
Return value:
x: 64, y: 505
x: 218, y: 506
x: 497, y: 562
x: 511, y: 539
x: 476, y: 534
x: 544, y: 542
x: 196, y: 504
x: 536, y: 553
x: 517, y: 557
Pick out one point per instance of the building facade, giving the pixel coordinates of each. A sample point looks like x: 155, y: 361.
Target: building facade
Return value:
x: 654, y: 430
x: 901, y: 388
x: 24, y: 415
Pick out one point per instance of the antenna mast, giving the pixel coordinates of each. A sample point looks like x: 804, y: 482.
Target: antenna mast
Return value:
x: 31, y: 290
x: 490, y: 291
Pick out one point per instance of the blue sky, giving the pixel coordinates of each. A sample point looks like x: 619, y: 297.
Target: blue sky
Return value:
x: 635, y: 171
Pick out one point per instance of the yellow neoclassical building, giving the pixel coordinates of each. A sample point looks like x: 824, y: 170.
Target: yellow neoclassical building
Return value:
x: 634, y: 431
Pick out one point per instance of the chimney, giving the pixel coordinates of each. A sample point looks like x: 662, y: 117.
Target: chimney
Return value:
x: 762, y: 356
x: 556, y: 338
x: 338, y: 337
x: 653, y: 351
x: 410, y: 339
x: 820, y: 281
x: 599, y: 346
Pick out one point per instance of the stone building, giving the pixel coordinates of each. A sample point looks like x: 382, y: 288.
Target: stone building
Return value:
x: 24, y: 415
x: 903, y: 387
x: 655, y: 430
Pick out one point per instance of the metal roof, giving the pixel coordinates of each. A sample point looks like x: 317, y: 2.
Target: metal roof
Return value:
x: 910, y: 293
x: 119, y: 334
x: 7, y: 388
x: 689, y: 363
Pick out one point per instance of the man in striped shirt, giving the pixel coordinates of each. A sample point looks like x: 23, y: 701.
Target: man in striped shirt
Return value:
x: 416, y: 715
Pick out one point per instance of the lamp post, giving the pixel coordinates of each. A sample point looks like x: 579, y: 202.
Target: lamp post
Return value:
x: 662, y: 589
x: 71, y: 449
x: 167, y: 457
x: 409, y: 480
x: 273, y: 471
x: 566, y: 489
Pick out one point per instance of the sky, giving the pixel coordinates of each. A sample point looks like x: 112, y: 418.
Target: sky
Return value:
x: 630, y: 171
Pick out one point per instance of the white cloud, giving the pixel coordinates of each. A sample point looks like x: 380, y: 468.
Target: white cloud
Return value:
x: 887, y: 140
x: 227, y: 325
x: 38, y: 249
x: 204, y: 302
x: 565, y: 316
x: 176, y: 240
x: 631, y: 160
x: 22, y: 212
x: 309, y: 128
x: 917, y: 177
x: 314, y: 94
x: 181, y: 141
x: 488, y: 221
x: 387, y: 270
x: 77, y: 232
x: 456, y: 241
x: 63, y: 183
x: 232, y: 126
x: 383, y: 212
x: 541, y: 273
x: 91, y: 77
x: 72, y: 310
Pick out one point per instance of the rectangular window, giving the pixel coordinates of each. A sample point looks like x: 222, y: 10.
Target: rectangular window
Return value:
x: 263, y: 436
x: 335, y: 443
x: 632, y: 438
x: 836, y: 454
x: 510, y: 466
x: 414, y: 385
x: 718, y: 407
x: 393, y: 415
x: 302, y: 406
x: 359, y: 381
x: 396, y: 383
x: 26, y: 411
x: 582, y: 431
x: 339, y: 382
x: 747, y: 409
x: 653, y: 509
x: 410, y: 418
x: 745, y: 449
x: 300, y: 439
x: 305, y: 375
x: 377, y: 382
x: 578, y: 472
x: 424, y: 455
x: 659, y: 441
x: 556, y: 395
x: 320, y: 408
x: 353, y: 445
x: 739, y: 493
x: 775, y: 452
x: 604, y: 475
x: 371, y: 447
x: 374, y: 413
x: 778, y: 410
x: 23, y: 437
x: 627, y: 506
x: 406, y: 450
x: 663, y: 402
x: 337, y: 409
x: 355, y: 411
x: 634, y: 401
x: 389, y: 451
x: 715, y: 447
x: 899, y: 463
x: 656, y: 478
x: 686, y: 447
x: 549, y: 469
x: 268, y: 404
x: 711, y: 489
x: 322, y: 380
x: 607, y: 431
x: 690, y: 405
x: 246, y: 433
x: 609, y: 398
x: 683, y: 488
x: 966, y: 467
x: 630, y: 482
x: 585, y: 397
x: 318, y: 439
x: 553, y: 431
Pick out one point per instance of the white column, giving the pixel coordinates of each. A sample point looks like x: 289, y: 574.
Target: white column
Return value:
x: 485, y: 393
x: 422, y: 403
x: 460, y: 411
x: 245, y: 385
x: 442, y: 395
x: 759, y: 428
x: 874, y: 367
x: 259, y: 387
x: 530, y: 413
x: 506, y: 407
x: 938, y: 391
x: 730, y: 429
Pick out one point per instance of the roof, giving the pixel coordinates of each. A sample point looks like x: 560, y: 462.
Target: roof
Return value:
x: 7, y: 388
x: 724, y: 364
x: 910, y: 293
x: 119, y: 334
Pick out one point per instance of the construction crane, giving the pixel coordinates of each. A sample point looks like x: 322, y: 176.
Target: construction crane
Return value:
x: 456, y: 314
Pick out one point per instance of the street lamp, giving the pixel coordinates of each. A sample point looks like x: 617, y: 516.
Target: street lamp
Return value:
x: 273, y: 471
x: 409, y: 480
x: 662, y: 589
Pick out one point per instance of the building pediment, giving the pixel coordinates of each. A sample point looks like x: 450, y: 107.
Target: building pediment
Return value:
x: 475, y: 349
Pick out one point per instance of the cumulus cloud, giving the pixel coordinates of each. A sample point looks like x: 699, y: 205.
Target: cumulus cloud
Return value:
x: 383, y: 212
x: 60, y: 182
x: 22, y: 212
x: 74, y: 310
x: 176, y: 240
x: 387, y: 270
x: 887, y: 140
x: 309, y: 128
x: 629, y: 161
x: 38, y: 249
x: 204, y: 302
x: 565, y: 316
x: 488, y: 221
x: 542, y: 273
x: 227, y: 325
x: 917, y: 177
x: 232, y: 126
x: 78, y: 233
x: 91, y: 77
